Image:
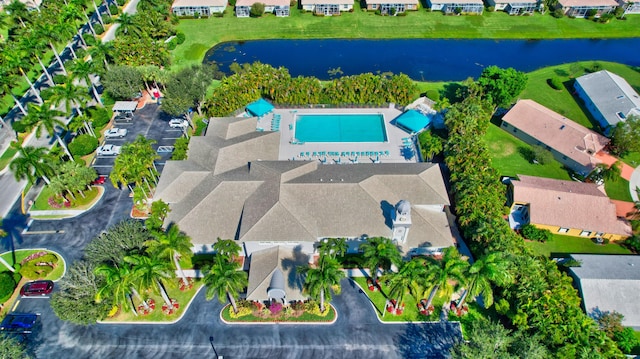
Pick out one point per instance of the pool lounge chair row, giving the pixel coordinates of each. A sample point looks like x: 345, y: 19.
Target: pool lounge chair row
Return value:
x: 344, y: 154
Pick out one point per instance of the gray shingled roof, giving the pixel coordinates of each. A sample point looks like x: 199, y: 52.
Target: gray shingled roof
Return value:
x: 266, y: 262
x: 610, y: 93
x: 610, y: 283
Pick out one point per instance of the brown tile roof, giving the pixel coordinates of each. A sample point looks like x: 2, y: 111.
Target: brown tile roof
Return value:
x: 568, y: 204
x: 572, y: 3
x: 556, y: 131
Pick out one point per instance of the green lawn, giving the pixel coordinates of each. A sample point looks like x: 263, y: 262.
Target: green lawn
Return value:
x: 507, y: 158
x: 21, y: 254
x: 618, y: 190
x: 42, y: 202
x: 202, y: 34
x: 568, y: 244
x: 7, y: 156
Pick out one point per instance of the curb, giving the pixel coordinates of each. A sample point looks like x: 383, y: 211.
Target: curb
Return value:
x: 186, y: 308
x: 33, y: 216
x: 48, y: 250
x: 274, y: 323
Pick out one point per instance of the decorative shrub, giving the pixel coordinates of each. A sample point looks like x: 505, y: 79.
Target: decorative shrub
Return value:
x: 107, y: 20
x: 626, y: 340
x: 7, y: 286
x: 171, y: 45
x: 242, y: 311
x: 557, y: 13
x: 555, y: 83
x: 100, y: 116
x: 315, y: 309
x: 83, y: 145
x: 298, y: 305
x: 275, y: 308
x: 180, y: 149
x: 98, y: 29
x: 180, y: 37
x: 632, y: 243
x: 39, y: 267
x: 114, y: 9
x: 34, y: 256
x: 531, y: 232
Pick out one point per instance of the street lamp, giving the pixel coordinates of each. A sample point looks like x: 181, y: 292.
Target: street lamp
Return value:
x: 214, y: 348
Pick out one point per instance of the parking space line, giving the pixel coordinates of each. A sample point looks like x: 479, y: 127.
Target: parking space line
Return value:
x: 15, y: 305
x: 102, y: 166
x: 170, y: 138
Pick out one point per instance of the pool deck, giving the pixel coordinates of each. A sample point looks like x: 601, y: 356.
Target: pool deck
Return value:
x: 397, y: 148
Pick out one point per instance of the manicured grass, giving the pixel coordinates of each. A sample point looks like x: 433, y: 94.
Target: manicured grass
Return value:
x: 506, y: 151
x: 304, y: 317
x: 184, y: 298
x: 618, y: 190
x: 42, y: 202
x: 202, y: 34
x: 21, y: 254
x: 7, y: 156
x: 568, y: 244
x: 410, y: 314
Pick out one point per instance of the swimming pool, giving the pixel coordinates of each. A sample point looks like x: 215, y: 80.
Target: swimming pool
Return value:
x: 338, y: 127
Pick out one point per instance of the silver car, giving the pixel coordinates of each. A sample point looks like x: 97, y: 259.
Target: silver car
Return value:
x: 115, y: 132
x: 108, y: 150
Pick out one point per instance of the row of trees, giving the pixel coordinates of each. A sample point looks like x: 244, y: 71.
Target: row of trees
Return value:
x: 540, y: 300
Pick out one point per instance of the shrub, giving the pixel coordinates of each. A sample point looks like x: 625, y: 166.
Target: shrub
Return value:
x: 171, y: 45
x: 275, y: 308
x: 114, y: 9
x: 242, y: 311
x: 180, y: 149
x: 180, y: 37
x: 605, y: 18
x: 34, y: 256
x: 58, y: 79
x: 531, y: 232
x: 557, y: 13
x: 555, y: 83
x: 98, y: 29
x: 595, y: 67
x: 100, y: 116
x: 626, y: 340
x: 257, y: 9
x: 7, y: 286
x: 83, y: 145
x: 491, y: 9
x: 632, y: 243
x: 107, y: 20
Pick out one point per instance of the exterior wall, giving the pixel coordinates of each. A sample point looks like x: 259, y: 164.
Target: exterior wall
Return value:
x: 192, y: 10
x: 581, y: 11
x: 407, y: 7
x: 573, y: 165
x: 633, y: 8
x: 592, y: 108
x: 308, y: 7
x: 576, y: 232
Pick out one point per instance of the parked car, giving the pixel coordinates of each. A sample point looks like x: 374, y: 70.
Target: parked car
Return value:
x: 100, y: 180
x: 108, y: 150
x: 38, y: 287
x: 178, y: 122
x: 21, y: 323
x: 116, y: 132
x: 124, y: 116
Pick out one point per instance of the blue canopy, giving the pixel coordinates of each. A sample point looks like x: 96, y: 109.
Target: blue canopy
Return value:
x: 259, y: 107
x: 413, y: 121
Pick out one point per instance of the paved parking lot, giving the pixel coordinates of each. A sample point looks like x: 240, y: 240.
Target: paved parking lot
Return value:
x: 152, y: 123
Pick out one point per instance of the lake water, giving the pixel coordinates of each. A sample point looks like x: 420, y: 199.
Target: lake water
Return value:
x: 421, y: 59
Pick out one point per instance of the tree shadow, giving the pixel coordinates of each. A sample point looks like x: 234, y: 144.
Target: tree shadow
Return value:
x: 428, y: 340
x: 453, y: 91
x: 291, y: 264
x: 527, y: 153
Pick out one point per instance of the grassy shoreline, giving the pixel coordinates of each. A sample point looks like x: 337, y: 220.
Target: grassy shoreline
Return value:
x: 203, y: 34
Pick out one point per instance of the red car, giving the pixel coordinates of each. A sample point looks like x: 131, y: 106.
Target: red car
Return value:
x: 99, y: 180
x: 38, y: 287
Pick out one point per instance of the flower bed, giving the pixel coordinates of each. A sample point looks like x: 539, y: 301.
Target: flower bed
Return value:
x: 308, y: 311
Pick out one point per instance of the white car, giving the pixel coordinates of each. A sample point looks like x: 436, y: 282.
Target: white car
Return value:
x: 108, y: 150
x: 178, y: 123
x: 115, y: 132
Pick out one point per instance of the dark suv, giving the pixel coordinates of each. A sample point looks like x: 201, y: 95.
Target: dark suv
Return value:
x: 38, y: 287
x: 21, y: 323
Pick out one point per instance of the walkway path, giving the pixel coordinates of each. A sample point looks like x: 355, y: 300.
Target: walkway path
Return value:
x: 609, y: 159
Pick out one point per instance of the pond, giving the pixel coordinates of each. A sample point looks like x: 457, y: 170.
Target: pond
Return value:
x: 420, y: 59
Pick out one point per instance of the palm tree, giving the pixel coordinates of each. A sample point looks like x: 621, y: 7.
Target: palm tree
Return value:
x: 15, y: 58
x: 70, y: 95
x: 43, y: 117
x: 7, y: 82
x: 83, y: 70
x: 32, y: 43
x: 411, y: 278
x: 227, y: 248
x: 320, y: 279
x: 147, y: 272
x: 224, y: 278
x: 334, y: 247
x: 380, y: 253
x: 443, y: 271
x: 18, y: 11
x: 128, y: 25
x: 102, y: 51
x: 488, y: 270
x: 117, y: 284
x: 49, y: 33
x: 31, y: 163
x: 171, y: 245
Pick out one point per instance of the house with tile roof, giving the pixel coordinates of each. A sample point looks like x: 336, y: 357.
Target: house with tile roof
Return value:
x: 279, y: 8
x: 198, y: 7
x: 471, y: 7
x: 581, y: 8
x: 327, y: 7
x: 609, y: 283
x: 388, y: 7
x: 608, y: 97
x: 564, y: 207
x: 571, y: 144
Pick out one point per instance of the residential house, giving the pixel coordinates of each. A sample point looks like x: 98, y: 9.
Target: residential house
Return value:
x: 519, y: 7
x: 473, y: 7
x: 608, y: 97
x: 571, y: 144
x: 630, y: 7
x: 327, y: 7
x: 388, y: 7
x: 198, y: 7
x: 564, y: 207
x: 279, y: 8
x: 609, y: 283
x: 581, y: 8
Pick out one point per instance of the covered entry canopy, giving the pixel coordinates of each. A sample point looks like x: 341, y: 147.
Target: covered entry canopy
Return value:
x: 259, y: 107
x: 125, y: 106
x: 413, y: 121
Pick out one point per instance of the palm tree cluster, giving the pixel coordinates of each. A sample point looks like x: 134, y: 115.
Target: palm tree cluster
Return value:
x: 540, y: 298
x: 224, y: 276
x: 260, y: 80
x: 135, y: 166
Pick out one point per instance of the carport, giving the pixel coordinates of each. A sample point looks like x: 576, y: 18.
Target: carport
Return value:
x: 125, y: 106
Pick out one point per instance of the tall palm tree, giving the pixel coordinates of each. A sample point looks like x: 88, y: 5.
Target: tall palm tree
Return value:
x: 7, y: 82
x: 117, y: 284
x: 43, y: 117
x: 31, y: 163
x: 412, y: 278
x: 15, y: 57
x: 72, y: 96
x: 224, y: 278
x: 128, y: 25
x: 450, y: 268
x: 83, y: 70
x: 49, y: 33
x: 18, y: 11
x: 320, y: 279
x: 483, y: 273
x: 380, y: 253
x: 148, y: 272
x: 171, y: 245
x: 102, y: 51
x: 334, y: 247
x: 35, y: 45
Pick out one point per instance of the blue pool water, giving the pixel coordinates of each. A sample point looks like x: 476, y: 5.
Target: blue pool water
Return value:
x: 340, y: 128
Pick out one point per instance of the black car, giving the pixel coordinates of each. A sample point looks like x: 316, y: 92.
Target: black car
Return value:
x: 21, y: 323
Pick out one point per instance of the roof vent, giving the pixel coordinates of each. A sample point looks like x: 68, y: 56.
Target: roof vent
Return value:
x: 562, y: 127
